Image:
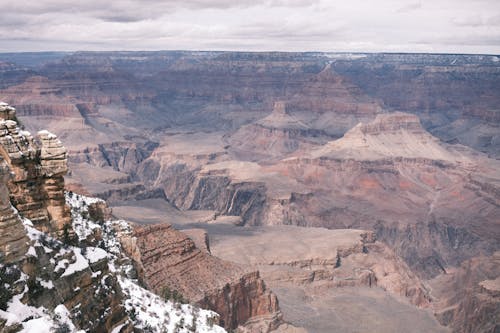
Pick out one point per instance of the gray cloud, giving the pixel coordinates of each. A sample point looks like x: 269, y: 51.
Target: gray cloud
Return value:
x: 286, y: 25
x: 409, y: 8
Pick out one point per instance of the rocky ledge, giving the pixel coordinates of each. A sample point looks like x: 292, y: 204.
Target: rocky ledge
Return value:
x: 38, y: 167
x: 169, y: 263
x: 61, y: 267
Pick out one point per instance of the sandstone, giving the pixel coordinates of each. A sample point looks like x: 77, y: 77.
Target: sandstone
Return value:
x: 389, y: 135
x: 37, y: 188
x: 430, y: 86
x: 468, y: 297
x: 7, y: 112
x: 169, y: 260
x: 199, y: 237
x: 276, y: 135
x: 13, y: 240
x: 330, y: 258
x: 52, y: 155
x: 421, y: 197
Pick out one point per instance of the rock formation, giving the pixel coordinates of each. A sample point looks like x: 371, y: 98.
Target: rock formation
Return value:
x: 216, y: 146
x: 55, y: 276
x: 278, y: 134
x: 67, y: 284
x: 169, y: 262
x: 420, y: 180
x: 7, y: 112
x: 325, y: 258
x: 433, y: 85
x: 13, y: 240
x: 423, y: 183
x: 37, y: 187
x: 469, y: 297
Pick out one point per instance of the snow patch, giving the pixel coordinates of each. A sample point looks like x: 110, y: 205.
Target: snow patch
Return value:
x: 149, y: 310
x: 31, y: 252
x: 38, y: 325
x: 18, y: 312
x: 79, y: 265
x: 95, y: 254
x: 47, y: 134
x: 46, y: 284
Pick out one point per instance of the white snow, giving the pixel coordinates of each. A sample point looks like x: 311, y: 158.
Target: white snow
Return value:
x: 83, y: 227
x: 38, y: 325
x: 42, y: 321
x: 18, y: 312
x: 118, y: 328
x: 79, y: 265
x: 46, y: 133
x: 151, y: 310
x: 46, y: 284
x: 61, y: 265
x: 25, y: 133
x: 94, y: 254
x: 31, y: 252
x: 146, y: 309
x: 62, y: 316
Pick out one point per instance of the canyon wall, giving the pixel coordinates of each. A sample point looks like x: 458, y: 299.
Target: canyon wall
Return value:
x: 37, y: 186
x: 205, y: 136
x: 14, y: 242
x: 169, y: 262
x: 37, y: 270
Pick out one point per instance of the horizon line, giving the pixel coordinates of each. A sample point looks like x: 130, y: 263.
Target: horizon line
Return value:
x: 250, y: 51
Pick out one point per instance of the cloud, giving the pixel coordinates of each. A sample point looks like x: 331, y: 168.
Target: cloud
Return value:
x: 409, y: 8
x: 286, y: 25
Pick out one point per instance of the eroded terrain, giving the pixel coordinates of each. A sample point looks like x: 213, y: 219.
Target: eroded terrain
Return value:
x: 291, y: 159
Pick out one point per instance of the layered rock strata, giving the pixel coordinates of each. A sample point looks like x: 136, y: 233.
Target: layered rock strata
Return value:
x: 276, y: 135
x: 168, y: 261
x: 469, y: 296
x: 37, y: 187
x: 7, y: 112
x: 13, y: 240
x: 389, y: 175
x: 38, y: 271
x: 321, y: 258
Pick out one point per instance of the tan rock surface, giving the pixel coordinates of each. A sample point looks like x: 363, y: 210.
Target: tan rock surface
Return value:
x: 167, y: 258
x: 37, y: 188
x: 334, y: 257
x: 13, y: 240
x: 468, y: 297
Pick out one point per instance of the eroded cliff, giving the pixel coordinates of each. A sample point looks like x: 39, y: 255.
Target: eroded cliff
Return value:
x: 169, y: 262
x: 49, y: 259
x: 38, y: 167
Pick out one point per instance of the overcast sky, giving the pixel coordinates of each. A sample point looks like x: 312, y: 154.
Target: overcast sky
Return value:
x: 456, y: 26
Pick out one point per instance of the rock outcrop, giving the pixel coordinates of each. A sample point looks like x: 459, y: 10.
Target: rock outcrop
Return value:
x: 13, y: 239
x: 389, y: 175
x: 49, y: 259
x: 169, y: 262
x: 37, y: 187
x: 454, y: 95
x: 276, y: 135
x: 308, y: 268
x: 434, y: 204
x: 59, y: 275
x: 7, y: 112
x: 469, y: 296
x: 56, y: 276
x: 321, y: 258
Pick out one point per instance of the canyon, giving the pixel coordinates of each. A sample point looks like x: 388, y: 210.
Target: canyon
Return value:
x: 58, y: 248
x: 301, y: 180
